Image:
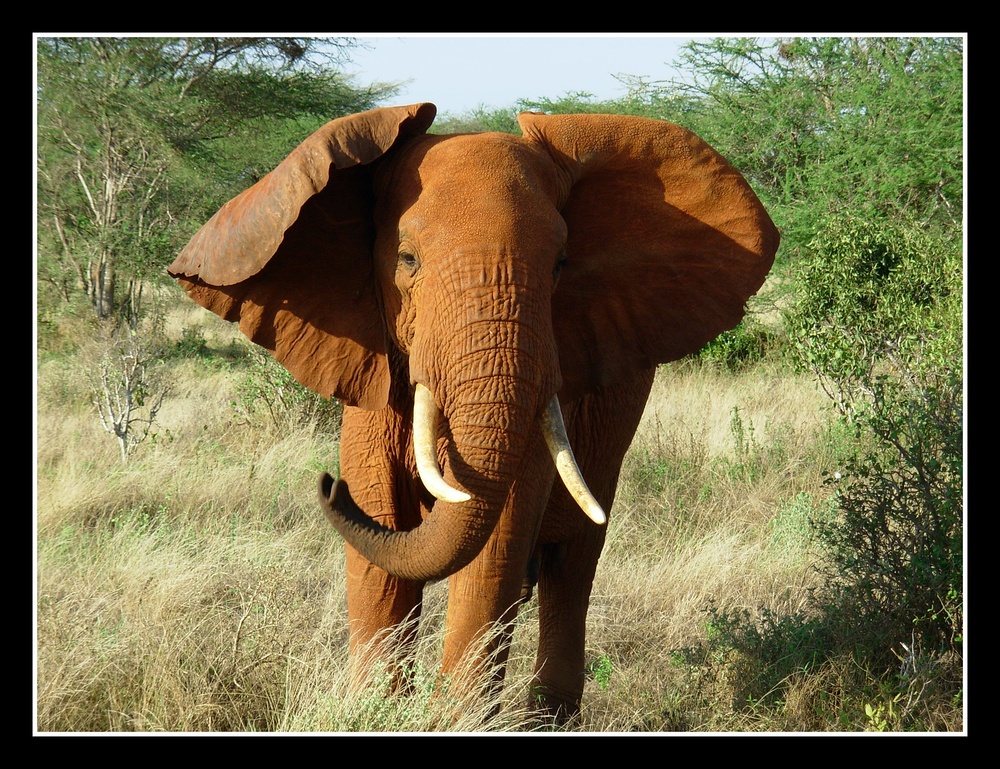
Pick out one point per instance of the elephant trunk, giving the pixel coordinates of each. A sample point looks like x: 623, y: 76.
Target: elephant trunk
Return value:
x: 485, y: 452
x: 406, y: 554
x: 496, y: 388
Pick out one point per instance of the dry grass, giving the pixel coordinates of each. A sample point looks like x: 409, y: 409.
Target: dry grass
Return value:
x: 700, y: 520
x: 197, y: 588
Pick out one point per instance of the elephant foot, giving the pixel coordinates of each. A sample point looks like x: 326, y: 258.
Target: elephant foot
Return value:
x: 551, y: 710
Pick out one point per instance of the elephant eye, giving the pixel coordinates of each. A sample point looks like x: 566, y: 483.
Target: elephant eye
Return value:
x: 408, y: 261
x: 560, y: 263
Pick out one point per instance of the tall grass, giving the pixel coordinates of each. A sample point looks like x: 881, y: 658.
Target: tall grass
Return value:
x: 197, y: 588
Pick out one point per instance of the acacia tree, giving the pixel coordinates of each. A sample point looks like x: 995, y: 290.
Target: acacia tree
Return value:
x: 825, y: 125
x: 136, y: 133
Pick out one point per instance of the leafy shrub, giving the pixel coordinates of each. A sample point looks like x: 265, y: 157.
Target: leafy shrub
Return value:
x: 192, y: 344
x: 752, y: 657
x: 269, y: 390
x: 875, y: 298
x: 743, y: 346
x: 879, y: 322
x: 896, y: 551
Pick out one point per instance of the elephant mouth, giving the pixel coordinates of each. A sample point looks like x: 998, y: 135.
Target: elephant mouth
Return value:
x: 425, y: 424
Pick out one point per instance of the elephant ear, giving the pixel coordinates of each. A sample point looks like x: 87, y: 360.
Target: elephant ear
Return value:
x: 666, y: 243
x: 290, y: 258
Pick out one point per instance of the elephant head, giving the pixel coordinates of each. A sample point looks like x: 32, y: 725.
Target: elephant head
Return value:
x: 488, y: 277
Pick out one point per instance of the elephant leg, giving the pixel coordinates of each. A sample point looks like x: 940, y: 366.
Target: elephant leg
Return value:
x: 600, y: 428
x: 383, y: 610
x: 483, y: 598
x: 566, y: 575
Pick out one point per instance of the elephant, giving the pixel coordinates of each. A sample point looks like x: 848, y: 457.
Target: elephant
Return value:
x: 490, y: 309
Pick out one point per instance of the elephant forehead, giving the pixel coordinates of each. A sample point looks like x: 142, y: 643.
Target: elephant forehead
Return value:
x: 471, y: 166
x: 484, y: 187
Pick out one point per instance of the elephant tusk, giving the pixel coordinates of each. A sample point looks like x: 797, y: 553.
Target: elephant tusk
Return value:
x: 562, y: 454
x: 425, y: 416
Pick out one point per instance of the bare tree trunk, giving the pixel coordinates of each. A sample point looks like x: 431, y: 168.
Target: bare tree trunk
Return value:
x: 102, y: 286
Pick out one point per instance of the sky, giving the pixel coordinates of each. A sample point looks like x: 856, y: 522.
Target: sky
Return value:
x: 463, y: 72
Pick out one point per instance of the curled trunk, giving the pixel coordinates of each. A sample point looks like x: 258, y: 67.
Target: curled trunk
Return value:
x: 460, y: 524
x: 455, y: 531
x: 444, y: 543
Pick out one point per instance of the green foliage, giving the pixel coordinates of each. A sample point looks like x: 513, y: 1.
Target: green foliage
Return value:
x: 755, y: 654
x: 828, y: 124
x: 268, y: 389
x: 895, y: 573
x: 601, y: 671
x: 880, y: 717
x: 192, y: 344
x: 141, y: 139
x: 574, y: 102
x: 741, y: 347
x: 793, y: 526
x: 878, y: 320
x: 479, y: 120
x: 505, y: 119
x: 764, y: 660
x: 751, y: 461
x: 876, y: 298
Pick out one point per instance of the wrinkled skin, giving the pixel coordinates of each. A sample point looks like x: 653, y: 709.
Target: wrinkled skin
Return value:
x: 496, y: 271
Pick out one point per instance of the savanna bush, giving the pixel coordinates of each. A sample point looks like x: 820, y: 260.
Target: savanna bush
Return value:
x: 267, y: 393
x: 876, y: 298
x: 740, y: 347
x: 878, y: 320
